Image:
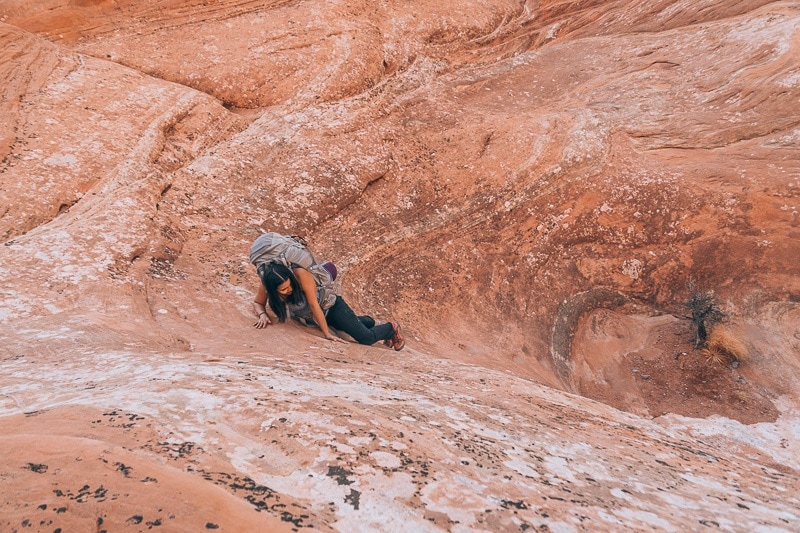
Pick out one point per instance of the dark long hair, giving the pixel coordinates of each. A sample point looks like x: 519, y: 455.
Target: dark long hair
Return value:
x: 273, y: 275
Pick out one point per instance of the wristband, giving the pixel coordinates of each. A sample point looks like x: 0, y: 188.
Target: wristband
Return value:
x: 262, y: 313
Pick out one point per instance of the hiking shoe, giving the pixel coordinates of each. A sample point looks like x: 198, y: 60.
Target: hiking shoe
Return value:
x: 397, y: 340
x: 390, y: 341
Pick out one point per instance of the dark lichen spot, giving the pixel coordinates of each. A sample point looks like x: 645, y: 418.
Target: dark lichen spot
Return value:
x: 340, y: 474
x: 353, y: 498
x: 121, y: 467
x: 286, y: 516
x: 100, y: 493
x: 506, y: 504
x: 38, y: 468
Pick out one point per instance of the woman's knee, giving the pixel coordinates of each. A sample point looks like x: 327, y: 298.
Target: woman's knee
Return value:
x: 368, y: 321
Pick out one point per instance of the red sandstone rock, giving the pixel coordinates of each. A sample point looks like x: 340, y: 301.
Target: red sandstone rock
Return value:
x: 528, y: 188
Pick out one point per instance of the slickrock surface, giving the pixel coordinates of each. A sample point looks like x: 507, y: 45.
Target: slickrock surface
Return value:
x: 530, y: 188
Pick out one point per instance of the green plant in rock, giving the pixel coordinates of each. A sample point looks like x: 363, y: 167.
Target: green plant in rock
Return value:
x: 705, y: 312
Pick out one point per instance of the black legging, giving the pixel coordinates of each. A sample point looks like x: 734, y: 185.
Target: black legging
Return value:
x: 361, y: 328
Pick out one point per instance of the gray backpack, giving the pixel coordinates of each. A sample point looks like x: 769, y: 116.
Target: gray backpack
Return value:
x: 292, y: 251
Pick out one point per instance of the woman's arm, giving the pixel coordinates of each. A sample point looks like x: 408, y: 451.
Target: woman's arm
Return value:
x: 309, y: 287
x: 260, y: 307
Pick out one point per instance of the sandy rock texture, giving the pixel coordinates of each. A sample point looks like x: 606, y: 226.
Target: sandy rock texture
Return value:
x: 533, y: 189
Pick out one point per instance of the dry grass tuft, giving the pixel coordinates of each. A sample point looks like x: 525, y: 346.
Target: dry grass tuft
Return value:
x: 723, y: 346
x: 712, y: 357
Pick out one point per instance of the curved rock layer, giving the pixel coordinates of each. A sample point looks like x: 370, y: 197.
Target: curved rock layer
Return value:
x: 533, y: 189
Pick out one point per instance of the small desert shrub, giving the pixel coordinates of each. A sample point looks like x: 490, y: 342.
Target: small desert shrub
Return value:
x: 705, y: 312
x: 723, y: 347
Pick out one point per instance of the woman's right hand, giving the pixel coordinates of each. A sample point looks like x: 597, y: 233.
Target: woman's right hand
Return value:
x: 263, y: 321
x: 260, y: 308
